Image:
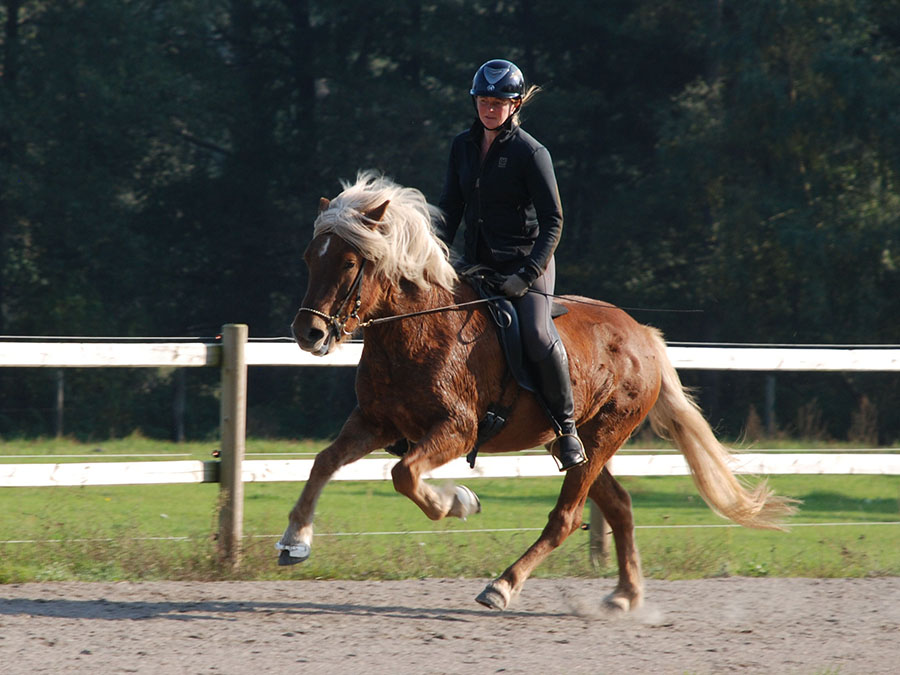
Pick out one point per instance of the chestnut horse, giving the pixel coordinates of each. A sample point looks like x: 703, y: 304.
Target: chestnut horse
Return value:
x: 430, y: 377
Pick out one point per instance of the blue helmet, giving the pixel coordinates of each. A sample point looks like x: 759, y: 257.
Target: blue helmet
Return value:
x: 498, y: 78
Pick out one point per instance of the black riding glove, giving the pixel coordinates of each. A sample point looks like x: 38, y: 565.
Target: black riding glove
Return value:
x: 514, y: 286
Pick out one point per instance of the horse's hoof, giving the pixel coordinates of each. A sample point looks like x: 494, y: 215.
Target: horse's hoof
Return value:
x: 466, y: 503
x: 617, y: 602
x: 291, y: 555
x: 492, y: 598
x: 285, y: 559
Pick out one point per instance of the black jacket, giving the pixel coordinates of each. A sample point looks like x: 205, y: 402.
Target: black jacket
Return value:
x: 510, y: 202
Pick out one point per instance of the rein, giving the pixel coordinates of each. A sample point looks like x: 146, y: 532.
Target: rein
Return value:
x: 461, y: 305
x: 433, y: 310
x: 338, y: 321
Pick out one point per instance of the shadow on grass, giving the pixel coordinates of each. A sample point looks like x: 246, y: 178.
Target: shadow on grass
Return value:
x: 828, y: 502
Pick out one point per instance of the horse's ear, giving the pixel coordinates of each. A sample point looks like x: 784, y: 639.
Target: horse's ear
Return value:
x: 324, y: 204
x: 375, y: 215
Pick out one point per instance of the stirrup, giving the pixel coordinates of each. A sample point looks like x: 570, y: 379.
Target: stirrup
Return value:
x: 570, y: 457
x: 399, y: 448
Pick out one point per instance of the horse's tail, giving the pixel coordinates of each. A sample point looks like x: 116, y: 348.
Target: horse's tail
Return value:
x: 678, y: 418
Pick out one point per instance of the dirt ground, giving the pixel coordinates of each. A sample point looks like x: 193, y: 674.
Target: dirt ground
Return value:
x: 797, y: 626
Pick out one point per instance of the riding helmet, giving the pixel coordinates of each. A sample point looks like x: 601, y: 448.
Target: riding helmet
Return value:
x: 498, y: 78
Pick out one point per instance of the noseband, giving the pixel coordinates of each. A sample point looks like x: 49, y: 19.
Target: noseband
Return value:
x: 338, y: 320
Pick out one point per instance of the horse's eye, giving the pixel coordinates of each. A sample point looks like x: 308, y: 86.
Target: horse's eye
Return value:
x: 349, y: 264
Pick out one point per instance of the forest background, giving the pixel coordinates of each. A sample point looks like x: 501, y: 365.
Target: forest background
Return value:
x: 161, y: 164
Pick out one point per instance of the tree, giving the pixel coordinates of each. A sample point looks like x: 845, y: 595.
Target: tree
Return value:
x: 162, y: 162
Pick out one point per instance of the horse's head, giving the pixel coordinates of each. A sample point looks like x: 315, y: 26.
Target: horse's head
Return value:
x: 338, y: 282
x: 360, y: 248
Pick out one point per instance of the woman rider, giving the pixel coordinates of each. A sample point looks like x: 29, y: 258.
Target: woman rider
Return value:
x: 501, y: 181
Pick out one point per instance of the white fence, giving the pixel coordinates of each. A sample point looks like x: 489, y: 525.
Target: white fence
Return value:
x: 487, y: 466
x: 235, y: 353
x: 266, y: 353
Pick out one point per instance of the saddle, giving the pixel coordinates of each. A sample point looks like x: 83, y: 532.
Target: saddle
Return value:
x: 486, y: 282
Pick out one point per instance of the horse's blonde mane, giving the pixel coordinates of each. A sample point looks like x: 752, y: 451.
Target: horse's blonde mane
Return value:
x: 403, y: 243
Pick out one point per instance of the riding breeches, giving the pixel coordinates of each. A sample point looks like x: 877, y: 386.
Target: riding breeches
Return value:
x: 535, y: 322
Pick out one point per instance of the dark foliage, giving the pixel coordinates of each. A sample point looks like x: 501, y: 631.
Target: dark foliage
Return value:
x: 160, y: 166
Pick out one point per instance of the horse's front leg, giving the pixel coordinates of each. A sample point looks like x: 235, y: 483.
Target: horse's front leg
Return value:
x: 444, y: 442
x: 357, y: 439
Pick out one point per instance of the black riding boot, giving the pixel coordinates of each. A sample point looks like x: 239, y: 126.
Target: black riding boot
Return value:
x: 555, y: 388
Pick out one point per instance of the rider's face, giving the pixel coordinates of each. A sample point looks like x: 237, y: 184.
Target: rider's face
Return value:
x: 493, y: 112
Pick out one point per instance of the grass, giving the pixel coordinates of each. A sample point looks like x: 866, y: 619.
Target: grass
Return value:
x: 125, y: 532
x: 134, y: 447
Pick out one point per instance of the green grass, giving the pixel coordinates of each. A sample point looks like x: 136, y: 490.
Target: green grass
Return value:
x: 132, y: 448
x: 109, y: 533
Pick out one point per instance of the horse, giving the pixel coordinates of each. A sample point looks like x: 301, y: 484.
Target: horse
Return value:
x: 432, y: 365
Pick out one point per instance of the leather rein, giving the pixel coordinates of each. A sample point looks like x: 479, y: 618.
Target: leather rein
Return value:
x: 338, y: 320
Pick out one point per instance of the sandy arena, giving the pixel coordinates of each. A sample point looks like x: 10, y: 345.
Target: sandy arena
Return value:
x: 794, y: 626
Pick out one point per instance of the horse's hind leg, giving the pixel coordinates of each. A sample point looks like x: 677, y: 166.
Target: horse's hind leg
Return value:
x: 357, y: 439
x: 564, y: 519
x: 615, y: 503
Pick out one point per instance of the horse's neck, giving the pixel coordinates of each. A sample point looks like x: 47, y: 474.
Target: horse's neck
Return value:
x: 414, y: 331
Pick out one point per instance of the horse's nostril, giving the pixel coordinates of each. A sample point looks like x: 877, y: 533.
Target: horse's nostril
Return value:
x: 314, y: 335
x: 306, y: 334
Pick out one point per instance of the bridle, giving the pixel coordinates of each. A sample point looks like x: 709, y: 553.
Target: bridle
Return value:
x: 338, y: 320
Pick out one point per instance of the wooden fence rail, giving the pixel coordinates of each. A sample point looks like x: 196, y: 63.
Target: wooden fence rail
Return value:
x: 233, y: 354
x: 29, y: 354
x: 488, y: 466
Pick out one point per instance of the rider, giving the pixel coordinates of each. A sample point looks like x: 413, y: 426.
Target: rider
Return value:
x: 501, y: 181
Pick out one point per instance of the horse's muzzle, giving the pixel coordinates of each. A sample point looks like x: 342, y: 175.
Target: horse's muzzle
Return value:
x: 308, y: 335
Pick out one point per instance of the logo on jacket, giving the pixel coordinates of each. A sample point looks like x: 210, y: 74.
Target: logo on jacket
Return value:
x: 501, y: 163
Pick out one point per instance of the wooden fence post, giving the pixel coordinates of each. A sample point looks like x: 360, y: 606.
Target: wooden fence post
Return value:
x: 599, y: 537
x: 233, y: 430
x: 60, y: 401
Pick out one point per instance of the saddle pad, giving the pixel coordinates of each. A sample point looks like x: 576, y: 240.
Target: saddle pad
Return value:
x: 484, y: 281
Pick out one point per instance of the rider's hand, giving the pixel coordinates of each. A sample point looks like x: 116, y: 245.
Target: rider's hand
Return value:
x: 514, y: 286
